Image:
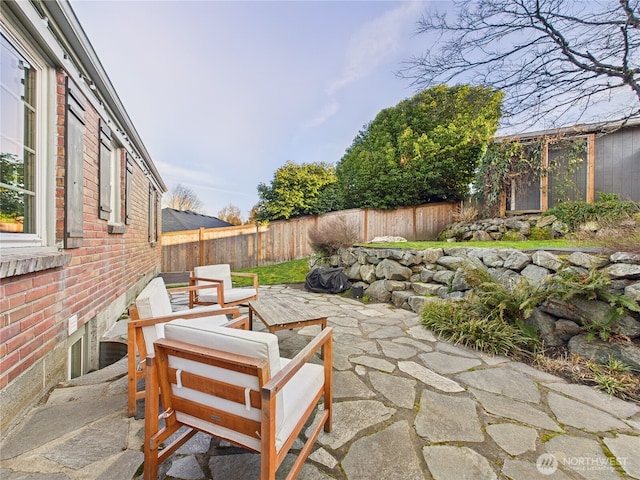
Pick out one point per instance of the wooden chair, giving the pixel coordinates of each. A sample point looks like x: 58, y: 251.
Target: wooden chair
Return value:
x: 151, y: 312
x: 232, y: 384
x: 223, y: 292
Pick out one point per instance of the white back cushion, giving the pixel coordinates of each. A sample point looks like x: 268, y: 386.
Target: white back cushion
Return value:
x: 154, y: 300
x: 231, y: 340
x: 214, y: 272
x: 153, y: 332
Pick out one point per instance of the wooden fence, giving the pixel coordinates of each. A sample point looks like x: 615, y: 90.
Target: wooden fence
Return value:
x: 248, y: 246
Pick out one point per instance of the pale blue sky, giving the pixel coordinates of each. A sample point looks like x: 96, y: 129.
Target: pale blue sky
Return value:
x: 224, y: 93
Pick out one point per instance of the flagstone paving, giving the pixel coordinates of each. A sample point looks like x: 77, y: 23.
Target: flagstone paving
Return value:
x: 406, y: 406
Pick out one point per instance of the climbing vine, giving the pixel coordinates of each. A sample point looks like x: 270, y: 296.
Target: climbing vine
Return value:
x: 517, y: 164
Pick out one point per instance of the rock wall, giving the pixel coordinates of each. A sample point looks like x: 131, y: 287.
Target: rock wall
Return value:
x: 512, y: 228
x: 409, y: 279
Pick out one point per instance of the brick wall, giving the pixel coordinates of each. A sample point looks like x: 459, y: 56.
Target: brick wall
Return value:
x: 104, y: 275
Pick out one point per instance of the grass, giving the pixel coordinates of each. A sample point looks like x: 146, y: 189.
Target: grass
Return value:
x: 294, y: 271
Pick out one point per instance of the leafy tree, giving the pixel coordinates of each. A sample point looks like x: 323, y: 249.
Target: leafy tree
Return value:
x: 424, y: 149
x: 183, y: 198
x: 230, y: 213
x: 550, y: 57
x: 11, y: 173
x: 294, y: 191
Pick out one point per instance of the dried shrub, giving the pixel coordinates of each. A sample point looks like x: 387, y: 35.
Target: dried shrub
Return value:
x: 332, y: 235
x: 465, y: 214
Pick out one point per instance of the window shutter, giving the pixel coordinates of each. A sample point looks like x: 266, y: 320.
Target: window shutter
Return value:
x: 74, y: 149
x: 128, y: 200
x: 105, y: 171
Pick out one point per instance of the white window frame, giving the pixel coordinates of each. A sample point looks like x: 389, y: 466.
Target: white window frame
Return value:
x: 115, y: 172
x: 45, y: 143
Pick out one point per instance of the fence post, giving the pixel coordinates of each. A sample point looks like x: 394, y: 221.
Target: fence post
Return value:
x: 201, y: 259
x: 258, y: 249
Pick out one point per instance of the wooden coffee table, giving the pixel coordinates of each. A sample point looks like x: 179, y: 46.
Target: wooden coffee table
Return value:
x: 285, y: 314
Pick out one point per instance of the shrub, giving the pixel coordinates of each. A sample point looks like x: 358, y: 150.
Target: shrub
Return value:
x: 465, y: 214
x: 332, y: 235
x: 512, y: 236
x: 608, y: 208
x: 455, y: 322
x: 539, y: 233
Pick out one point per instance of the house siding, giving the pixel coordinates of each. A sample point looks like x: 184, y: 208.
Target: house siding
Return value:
x: 617, y: 166
x: 104, y: 274
x: 616, y: 169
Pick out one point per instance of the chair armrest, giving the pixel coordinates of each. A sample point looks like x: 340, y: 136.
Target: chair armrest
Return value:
x: 280, y: 379
x: 193, y: 289
x: 244, y: 274
x: 185, y: 314
x: 241, y: 323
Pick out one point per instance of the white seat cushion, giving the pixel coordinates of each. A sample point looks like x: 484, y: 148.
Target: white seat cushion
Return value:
x: 231, y: 295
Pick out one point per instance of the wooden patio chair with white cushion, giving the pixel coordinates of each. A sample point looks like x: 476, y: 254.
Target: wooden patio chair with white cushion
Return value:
x: 234, y: 385
x: 224, y: 293
x: 147, y: 320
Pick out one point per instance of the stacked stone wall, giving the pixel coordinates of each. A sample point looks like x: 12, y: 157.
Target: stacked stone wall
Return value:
x: 410, y: 278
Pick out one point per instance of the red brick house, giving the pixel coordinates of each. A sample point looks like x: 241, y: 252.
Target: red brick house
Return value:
x: 79, y: 204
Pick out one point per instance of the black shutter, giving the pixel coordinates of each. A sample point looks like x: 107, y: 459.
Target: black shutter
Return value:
x: 128, y: 199
x: 105, y: 171
x: 74, y: 178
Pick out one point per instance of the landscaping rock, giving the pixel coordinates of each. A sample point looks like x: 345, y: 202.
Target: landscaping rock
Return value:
x: 625, y: 257
x: 587, y: 261
x: 597, y: 350
x: 443, y: 276
x: 623, y: 270
x: 633, y: 291
x: 392, y: 270
x: 368, y: 273
x: 378, y: 292
x: 517, y: 261
x: 536, y: 275
x: 546, y: 260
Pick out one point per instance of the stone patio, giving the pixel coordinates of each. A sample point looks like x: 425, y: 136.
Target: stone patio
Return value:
x: 407, y: 406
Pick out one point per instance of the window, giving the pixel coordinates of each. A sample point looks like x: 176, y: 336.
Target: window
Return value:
x: 110, y: 178
x: 18, y: 145
x: 116, y: 216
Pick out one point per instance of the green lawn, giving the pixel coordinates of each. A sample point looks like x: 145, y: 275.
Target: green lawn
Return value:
x: 294, y: 271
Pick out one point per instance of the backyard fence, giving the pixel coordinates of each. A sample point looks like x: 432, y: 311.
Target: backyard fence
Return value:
x: 249, y: 246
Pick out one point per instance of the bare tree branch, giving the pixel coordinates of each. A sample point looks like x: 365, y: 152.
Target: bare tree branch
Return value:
x: 556, y: 60
x: 183, y: 198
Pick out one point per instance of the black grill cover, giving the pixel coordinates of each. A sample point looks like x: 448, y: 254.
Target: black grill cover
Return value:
x: 327, y: 280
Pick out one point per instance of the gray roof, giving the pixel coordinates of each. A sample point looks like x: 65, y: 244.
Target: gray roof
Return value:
x: 177, y: 220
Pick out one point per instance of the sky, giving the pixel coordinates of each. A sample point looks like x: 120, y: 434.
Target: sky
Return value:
x: 223, y: 93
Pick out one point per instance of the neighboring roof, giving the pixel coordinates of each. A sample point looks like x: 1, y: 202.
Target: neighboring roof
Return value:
x: 579, y: 129
x: 178, y: 220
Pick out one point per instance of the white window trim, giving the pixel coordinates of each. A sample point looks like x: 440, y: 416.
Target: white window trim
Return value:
x: 115, y: 190
x: 45, y: 142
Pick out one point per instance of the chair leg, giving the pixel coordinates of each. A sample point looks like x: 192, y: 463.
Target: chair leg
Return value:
x: 151, y: 412
x: 131, y: 373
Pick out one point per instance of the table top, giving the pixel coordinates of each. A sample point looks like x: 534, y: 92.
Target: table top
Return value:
x: 285, y: 311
